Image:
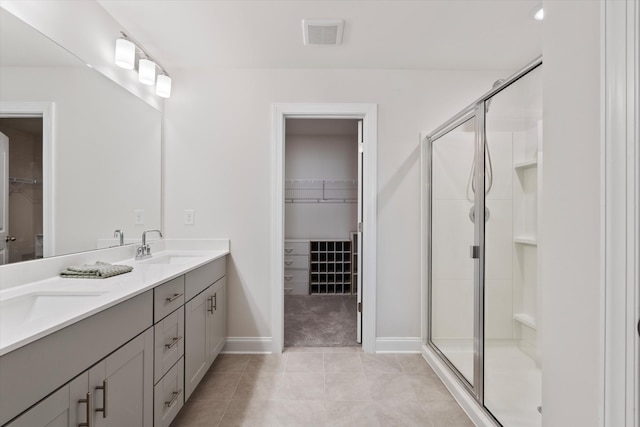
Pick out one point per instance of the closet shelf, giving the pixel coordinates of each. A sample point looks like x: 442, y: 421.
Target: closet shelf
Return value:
x: 526, y: 240
x: 527, y: 164
x: 14, y: 180
x: 525, y: 319
x: 321, y: 191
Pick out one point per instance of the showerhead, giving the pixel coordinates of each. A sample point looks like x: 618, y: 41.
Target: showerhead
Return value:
x: 495, y: 85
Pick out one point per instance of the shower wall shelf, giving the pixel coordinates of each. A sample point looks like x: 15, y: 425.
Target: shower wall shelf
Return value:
x: 525, y: 240
x: 527, y: 187
x: 321, y: 191
x: 526, y: 164
x: 525, y: 319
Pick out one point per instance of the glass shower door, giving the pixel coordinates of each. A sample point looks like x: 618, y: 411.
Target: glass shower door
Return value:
x: 513, y: 141
x: 452, y: 314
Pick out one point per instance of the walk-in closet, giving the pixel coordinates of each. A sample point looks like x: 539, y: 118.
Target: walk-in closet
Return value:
x: 321, y: 240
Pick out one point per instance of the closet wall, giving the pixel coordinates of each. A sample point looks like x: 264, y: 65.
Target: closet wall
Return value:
x: 320, y: 153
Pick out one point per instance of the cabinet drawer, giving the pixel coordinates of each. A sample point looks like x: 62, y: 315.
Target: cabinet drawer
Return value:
x: 296, y: 248
x: 199, y: 279
x: 296, y: 276
x: 169, y: 343
x: 298, y: 262
x: 168, y: 297
x: 168, y: 396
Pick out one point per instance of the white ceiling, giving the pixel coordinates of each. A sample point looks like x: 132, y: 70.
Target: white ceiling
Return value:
x: 418, y: 34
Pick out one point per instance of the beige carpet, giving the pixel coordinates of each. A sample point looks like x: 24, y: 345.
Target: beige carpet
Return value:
x: 320, y: 321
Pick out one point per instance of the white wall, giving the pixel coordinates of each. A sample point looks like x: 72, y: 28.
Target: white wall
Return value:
x: 218, y: 129
x: 570, y: 216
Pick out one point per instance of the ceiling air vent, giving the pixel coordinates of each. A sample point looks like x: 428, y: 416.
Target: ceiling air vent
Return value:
x: 322, y: 31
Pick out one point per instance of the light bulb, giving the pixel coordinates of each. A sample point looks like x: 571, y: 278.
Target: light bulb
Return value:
x: 163, y: 86
x: 125, y: 54
x: 147, y: 72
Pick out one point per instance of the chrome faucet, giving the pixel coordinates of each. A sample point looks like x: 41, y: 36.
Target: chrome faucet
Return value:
x: 121, y: 234
x: 144, y: 251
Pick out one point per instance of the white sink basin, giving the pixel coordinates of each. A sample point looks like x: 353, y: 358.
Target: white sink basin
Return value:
x: 171, y: 259
x: 37, y: 305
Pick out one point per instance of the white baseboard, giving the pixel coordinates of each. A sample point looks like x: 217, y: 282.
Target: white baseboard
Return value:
x: 398, y: 345
x: 469, y: 405
x: 248, y: 345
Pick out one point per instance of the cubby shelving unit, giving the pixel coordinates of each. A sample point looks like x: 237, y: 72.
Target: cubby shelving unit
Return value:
x: 330, y: 267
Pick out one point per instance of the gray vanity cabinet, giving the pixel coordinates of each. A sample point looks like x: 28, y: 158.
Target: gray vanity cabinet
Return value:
x: 64, y: 408
x: 205, y: 321
x: 121, y: 382
x: 219, y: 319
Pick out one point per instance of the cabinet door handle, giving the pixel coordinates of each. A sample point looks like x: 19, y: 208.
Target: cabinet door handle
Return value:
x: 288, y: 277
x: 89, y: 402
x: 174, y: 297
x: 288, y: 250
x: 289, y: 262
x: 215, y: 301
x: 173, y: 399
x: 105, y: 391
x: 174, y: 341
x: 210, y: 301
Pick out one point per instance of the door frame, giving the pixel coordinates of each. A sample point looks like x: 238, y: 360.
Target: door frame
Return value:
x: 46, y: 111
x: 368, y: 113
x: 620, y: 213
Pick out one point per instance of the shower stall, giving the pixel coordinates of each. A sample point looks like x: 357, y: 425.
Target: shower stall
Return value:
x: 481, y: 187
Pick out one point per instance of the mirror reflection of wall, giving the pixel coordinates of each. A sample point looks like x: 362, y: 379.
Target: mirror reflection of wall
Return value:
x: 25, y: 187
x: 102, y: 161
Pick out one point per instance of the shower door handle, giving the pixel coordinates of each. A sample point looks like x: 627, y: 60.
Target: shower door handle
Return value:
x: 474, y: 251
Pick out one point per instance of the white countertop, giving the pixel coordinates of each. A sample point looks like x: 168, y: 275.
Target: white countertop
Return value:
x: 31, y: 311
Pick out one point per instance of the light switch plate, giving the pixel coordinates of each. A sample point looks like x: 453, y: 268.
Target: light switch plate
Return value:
x: 189, y: 217
x: 138, y: 216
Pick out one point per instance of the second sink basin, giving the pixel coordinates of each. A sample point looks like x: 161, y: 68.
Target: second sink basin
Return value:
x: 171, y: 259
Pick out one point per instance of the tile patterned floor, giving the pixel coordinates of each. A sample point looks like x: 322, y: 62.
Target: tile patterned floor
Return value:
x: 328, y: 386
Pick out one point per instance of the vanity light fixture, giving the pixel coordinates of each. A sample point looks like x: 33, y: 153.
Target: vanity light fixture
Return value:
x: 147, y: 72
x: 163, y: 86
x: 129, y: 52
x: 125, y: 54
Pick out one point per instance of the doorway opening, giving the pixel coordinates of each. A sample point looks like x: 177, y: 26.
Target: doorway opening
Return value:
x: 367, y: 113
x: 21, y: 237
x: 322, y: 205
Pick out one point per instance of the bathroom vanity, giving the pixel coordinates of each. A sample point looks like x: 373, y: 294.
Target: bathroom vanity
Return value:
x: 122, y: 351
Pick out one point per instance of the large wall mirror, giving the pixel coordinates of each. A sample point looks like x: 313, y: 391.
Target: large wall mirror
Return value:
x: 82, y: 154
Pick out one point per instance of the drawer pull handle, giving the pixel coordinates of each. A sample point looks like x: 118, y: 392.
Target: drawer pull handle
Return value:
x: 288, y: 250
x: 89, y: 402
x: 174, y: 341
x: 173, y: 399
x: 288, y: 262
x: 174, y: 297
x: 105, y: 392
x: 288, y: 277
x: 210, y: 307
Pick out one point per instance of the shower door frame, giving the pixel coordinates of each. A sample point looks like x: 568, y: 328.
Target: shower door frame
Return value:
x: 478, y: 316
x: 476, y: 109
